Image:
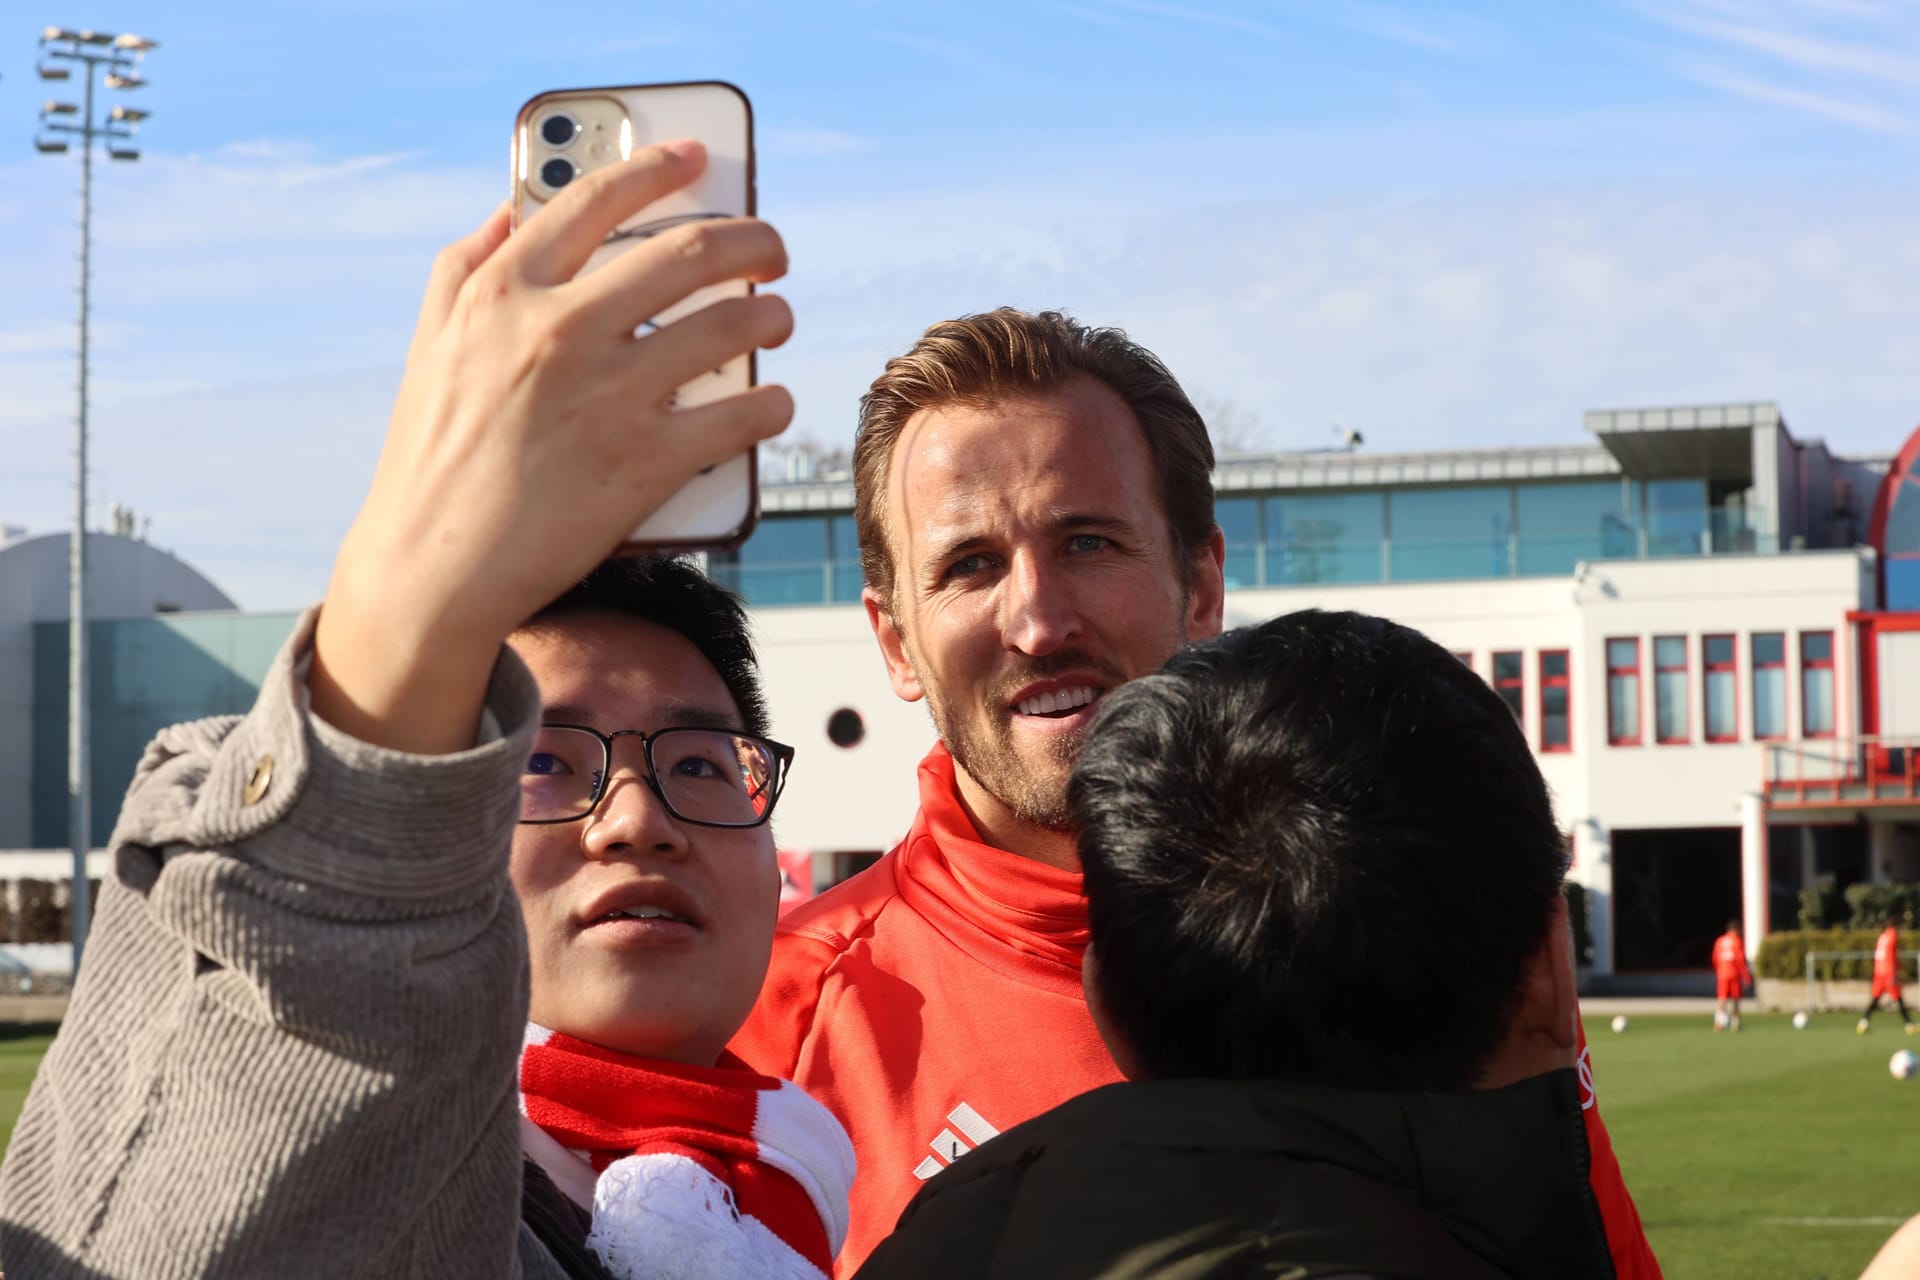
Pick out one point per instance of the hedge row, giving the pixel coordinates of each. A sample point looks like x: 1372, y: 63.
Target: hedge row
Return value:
x: 37, y: 910
x: 1862, y: 906
x: 1784, y: 954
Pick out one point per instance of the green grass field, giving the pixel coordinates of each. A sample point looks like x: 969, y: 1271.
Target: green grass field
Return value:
x: 1775, y: 1153
x: 20, y: 1050
x: 1760, y: 1155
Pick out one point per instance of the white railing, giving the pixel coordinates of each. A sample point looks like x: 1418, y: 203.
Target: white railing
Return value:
x: 1867, y: 768
x: 1814, y: 980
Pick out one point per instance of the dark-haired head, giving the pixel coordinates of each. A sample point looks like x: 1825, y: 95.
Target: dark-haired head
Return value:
x: 673, y: 593
x: 1315, y: 849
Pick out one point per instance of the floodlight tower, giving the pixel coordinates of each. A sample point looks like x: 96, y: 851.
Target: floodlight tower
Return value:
x: 61, y: 51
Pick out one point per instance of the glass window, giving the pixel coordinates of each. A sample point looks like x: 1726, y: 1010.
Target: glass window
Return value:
x: 1465, y: 656
x: 1324, y: 537
x: 1239, y: 521
x: 1556, y: 702
x: 1509, y: 681
x: 1563, y: 524
x: 1676, y: 517
x: 1670, y: 689
x: 1903, y: 521
x: 785, y: 561
x: 1623, y: 692
x: 1443, y: 534
x: 1769, y: 685
x: 845, y: 548
x: 1719, y: 688
x: 1816, y: 684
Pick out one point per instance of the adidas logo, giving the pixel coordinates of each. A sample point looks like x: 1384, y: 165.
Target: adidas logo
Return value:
x: 949, y: 1146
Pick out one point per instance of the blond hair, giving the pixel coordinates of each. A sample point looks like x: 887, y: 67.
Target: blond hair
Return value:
x: 988, y: 359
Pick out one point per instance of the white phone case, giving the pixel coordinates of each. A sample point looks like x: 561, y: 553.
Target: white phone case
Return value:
x: 718, y: 507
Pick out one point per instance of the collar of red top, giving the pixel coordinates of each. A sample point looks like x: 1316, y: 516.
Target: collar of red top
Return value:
x: 1024, y: 918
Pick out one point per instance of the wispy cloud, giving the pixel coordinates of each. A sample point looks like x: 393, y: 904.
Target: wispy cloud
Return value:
x: 1845, y: 61
x: 1394, y: 24
x: 1202, y: 17
x: 638, y: 44
x: 1803, y: 51
x: 284, y: 164
x: 1859, y: 115
x: 37, y: 340
x: 1426, y: 31
x: 813, y: 142
x: 956, y: 53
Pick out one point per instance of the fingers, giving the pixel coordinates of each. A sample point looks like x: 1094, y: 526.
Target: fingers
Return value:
x: 456, y: 264
x: 551, y: 248
x: 710, y: 337
x: 653, y: 275
x: 718, y: 431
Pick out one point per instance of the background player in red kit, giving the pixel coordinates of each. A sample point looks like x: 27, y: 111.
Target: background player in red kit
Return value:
x: 1731, y: 977
x: 1886, y: 977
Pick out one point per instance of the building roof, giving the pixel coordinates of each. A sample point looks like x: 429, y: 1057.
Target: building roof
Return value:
x: 1710, y: 441
x: 1714, y: 441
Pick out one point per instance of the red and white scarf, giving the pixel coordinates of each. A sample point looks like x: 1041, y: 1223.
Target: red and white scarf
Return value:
x: 690, y: 1172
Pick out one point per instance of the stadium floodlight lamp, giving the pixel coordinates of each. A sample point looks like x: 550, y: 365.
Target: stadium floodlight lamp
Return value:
x: 50, y: 34
x: 124, y: 80
x: 122, y: 153
x: 52, y: 73
x: 134, y: 44
x: 129, y: 115
x: 49, y: 146
x: 92, y: 37
x: 59, y: 109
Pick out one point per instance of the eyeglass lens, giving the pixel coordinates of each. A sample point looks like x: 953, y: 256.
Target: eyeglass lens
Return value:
x: 706, y: 775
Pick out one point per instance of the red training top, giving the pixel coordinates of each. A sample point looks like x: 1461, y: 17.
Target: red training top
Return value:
x: 934, y: 1000
x: 1730, y: 958
x: 1886, y: 958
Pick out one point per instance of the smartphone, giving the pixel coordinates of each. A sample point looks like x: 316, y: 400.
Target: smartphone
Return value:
x: 561, y: 136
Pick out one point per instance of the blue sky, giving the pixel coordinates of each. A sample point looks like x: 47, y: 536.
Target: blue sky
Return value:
x: 1442, y: 224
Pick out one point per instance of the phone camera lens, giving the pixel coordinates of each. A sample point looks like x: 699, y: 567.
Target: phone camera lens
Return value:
x: 557, y: 173
x: 559, y: 129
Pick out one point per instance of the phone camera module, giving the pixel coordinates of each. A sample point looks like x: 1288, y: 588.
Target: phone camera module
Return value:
x: 559, y: 129
x: 558, y: 172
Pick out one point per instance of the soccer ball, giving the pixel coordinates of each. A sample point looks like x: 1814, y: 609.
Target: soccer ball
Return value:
x: 1620, y: 1022
x: 1800, y: 1020
x: 1903, y: 1064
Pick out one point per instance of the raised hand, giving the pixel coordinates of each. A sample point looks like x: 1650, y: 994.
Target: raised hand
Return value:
x: 533, y: 430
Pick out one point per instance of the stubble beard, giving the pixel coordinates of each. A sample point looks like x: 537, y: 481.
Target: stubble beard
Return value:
x: 1034, y: 791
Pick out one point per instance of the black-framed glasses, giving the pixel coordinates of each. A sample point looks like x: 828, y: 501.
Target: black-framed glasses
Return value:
x: 709, y: 777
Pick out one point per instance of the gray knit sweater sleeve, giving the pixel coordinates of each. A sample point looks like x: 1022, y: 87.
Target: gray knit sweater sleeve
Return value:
x: 292, y: 1049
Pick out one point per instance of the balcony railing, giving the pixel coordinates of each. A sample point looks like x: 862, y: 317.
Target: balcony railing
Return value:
x: 1867, y: 770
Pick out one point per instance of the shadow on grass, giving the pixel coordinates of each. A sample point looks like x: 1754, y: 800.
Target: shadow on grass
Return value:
x: 26, y: 1030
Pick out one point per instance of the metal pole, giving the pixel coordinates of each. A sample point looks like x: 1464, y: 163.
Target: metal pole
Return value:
x: 79, y: 783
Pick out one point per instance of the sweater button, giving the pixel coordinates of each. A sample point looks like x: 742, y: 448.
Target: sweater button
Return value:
x: 258, y: 781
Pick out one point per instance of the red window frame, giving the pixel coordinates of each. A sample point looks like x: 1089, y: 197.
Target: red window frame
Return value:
x: 1518, y: 683
x: 1562, y: 681
x: 1807, y: 667
x: 1786, y: 686
x: 1465, y: 656
x: 1708, y: 668
x: 1616, y: 738
x: 1686, y: 698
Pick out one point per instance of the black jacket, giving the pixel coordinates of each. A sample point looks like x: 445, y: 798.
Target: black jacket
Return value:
x: 1181, y: 1179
